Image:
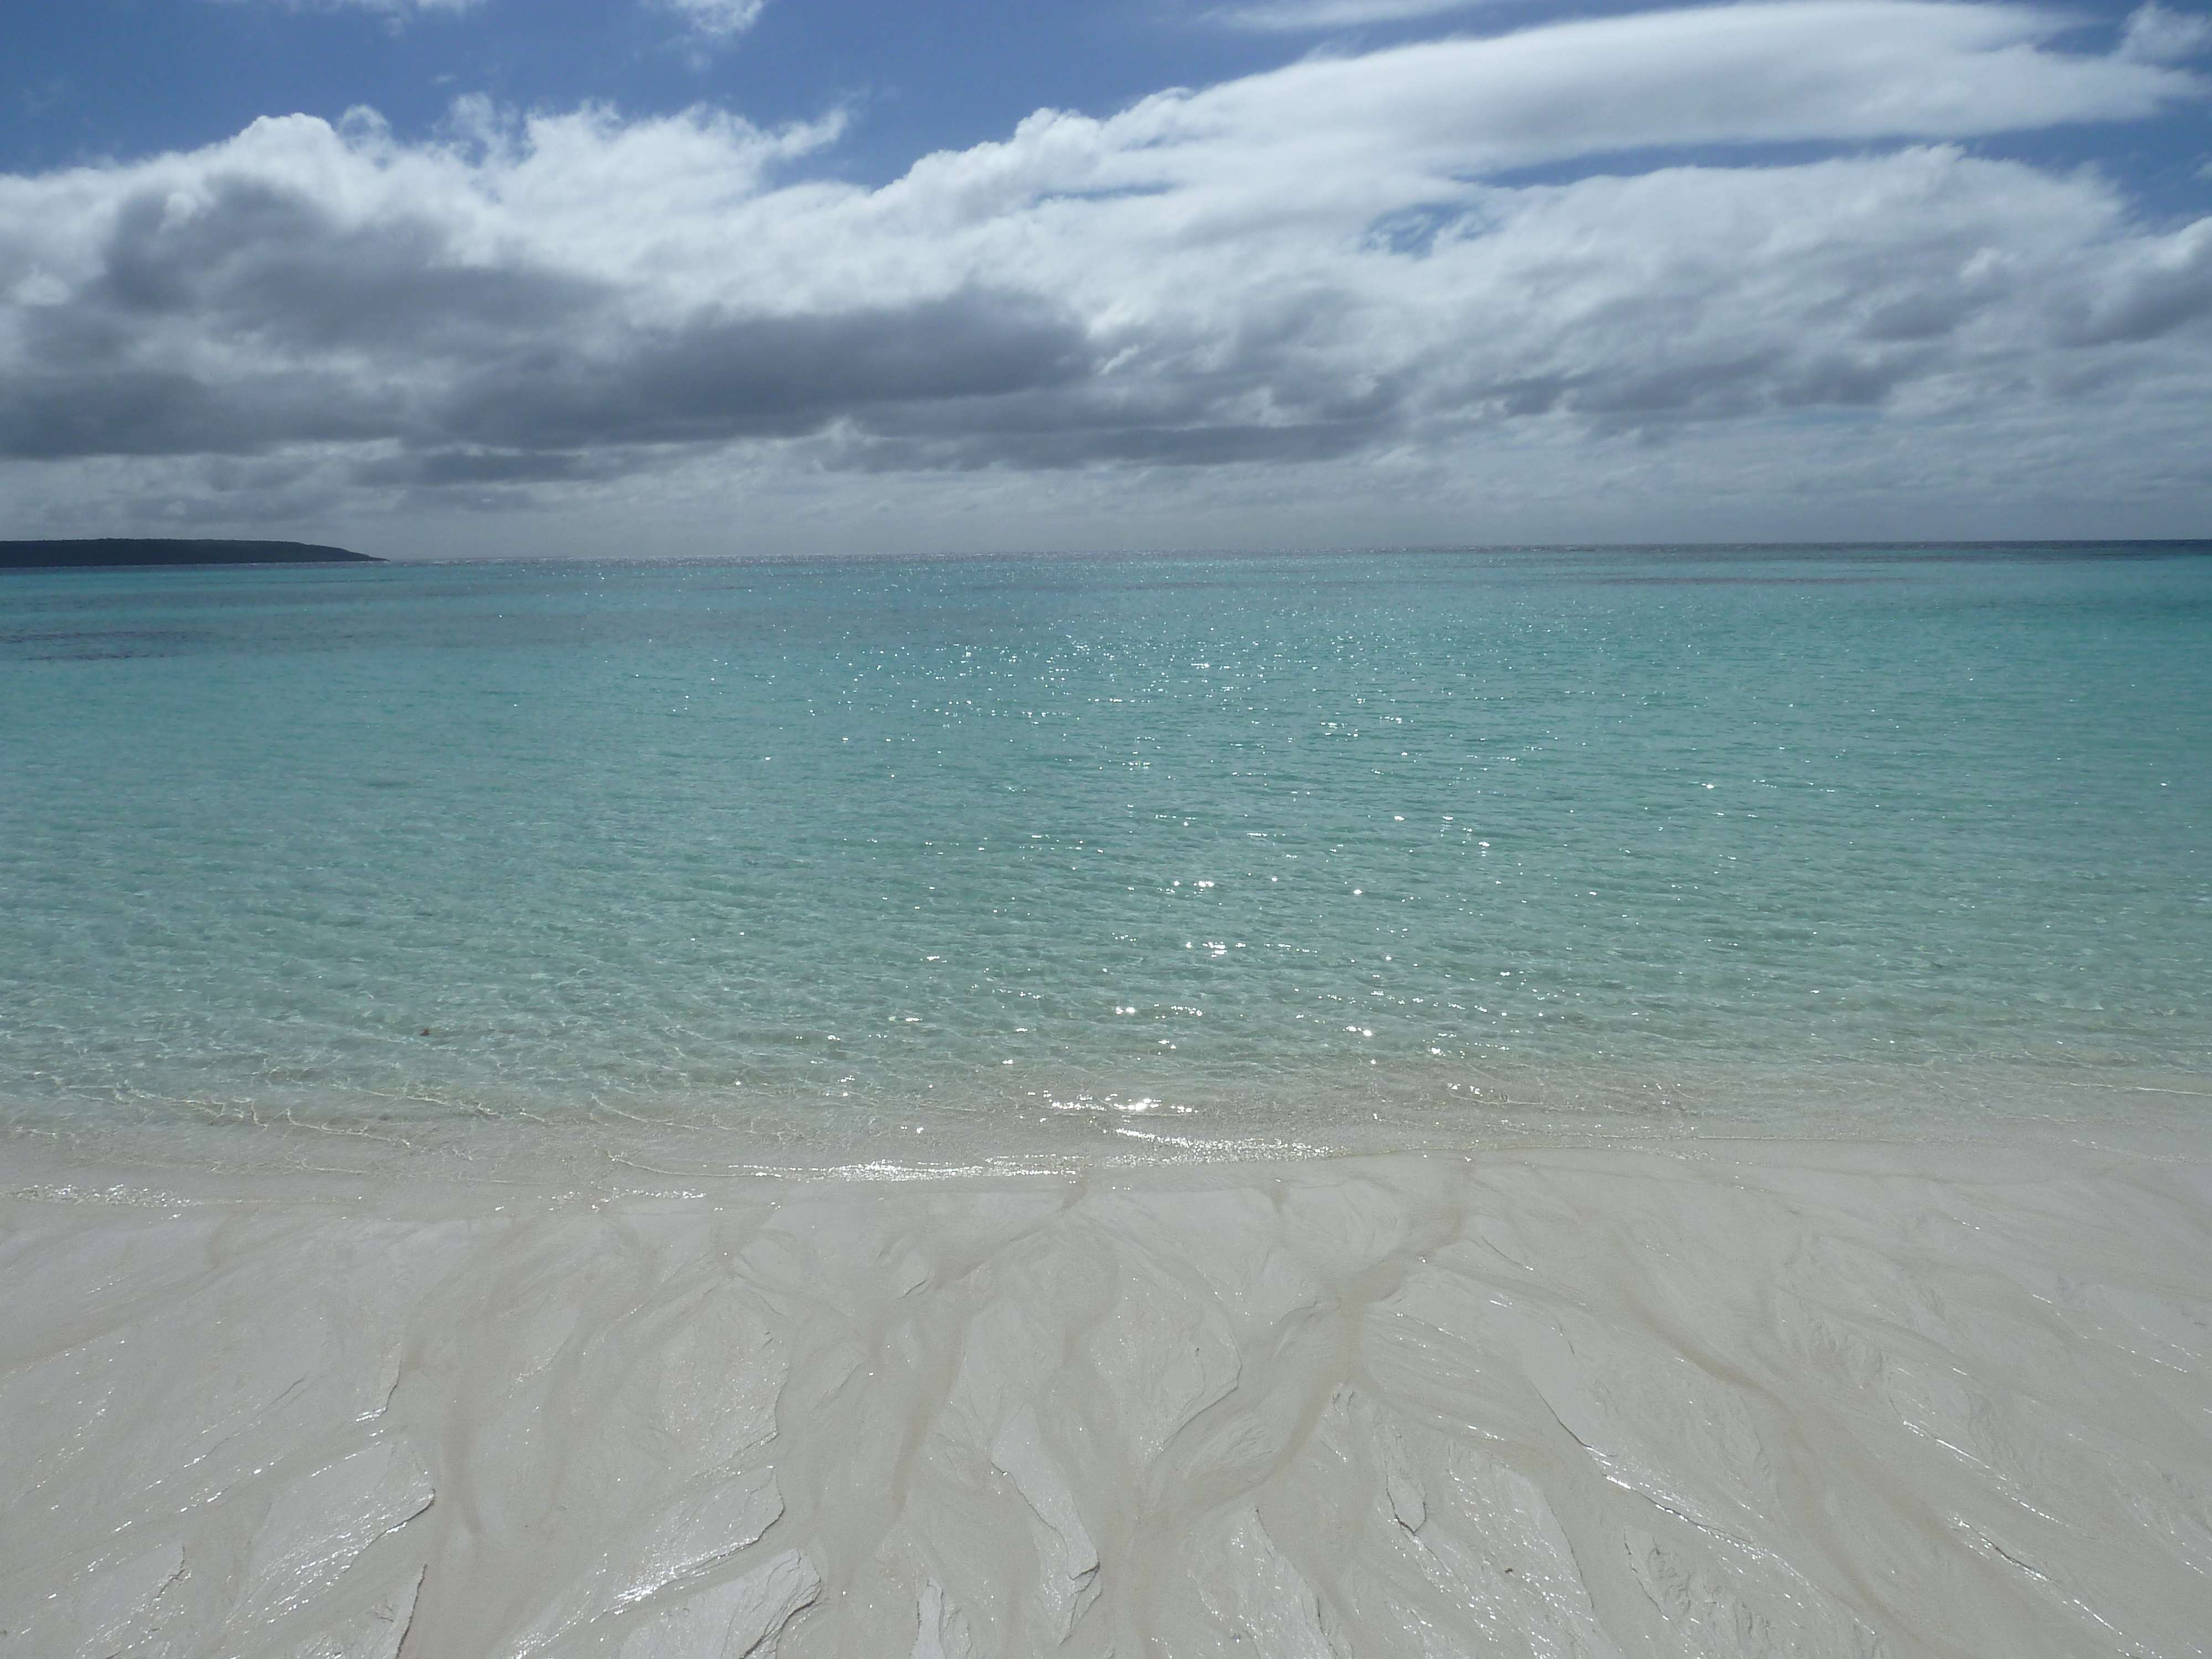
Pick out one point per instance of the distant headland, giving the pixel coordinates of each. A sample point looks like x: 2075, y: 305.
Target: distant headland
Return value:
x: 125, y: 551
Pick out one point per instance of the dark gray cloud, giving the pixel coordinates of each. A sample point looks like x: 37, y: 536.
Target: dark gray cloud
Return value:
x: 52, y: 414
x: 1724, y: 385
x: 718, y: 378
x: 513, y: 373
x: 1209, y: 445
x: 2149, y: 298
x: 329, y: 332
x: 261, y: 262
x: 441, y: 468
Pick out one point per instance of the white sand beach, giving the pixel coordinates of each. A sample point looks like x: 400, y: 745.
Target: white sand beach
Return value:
x: 1701, y: 1400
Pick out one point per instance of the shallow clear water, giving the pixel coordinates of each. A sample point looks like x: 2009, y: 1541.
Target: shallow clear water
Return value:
x: 960, y: 859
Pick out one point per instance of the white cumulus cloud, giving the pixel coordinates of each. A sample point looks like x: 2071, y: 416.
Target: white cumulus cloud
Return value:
x: 717, y: 21
x: 1300, y: 16
x: 396, y: 10
x: 2156, y: 35
x: 1301, y: 287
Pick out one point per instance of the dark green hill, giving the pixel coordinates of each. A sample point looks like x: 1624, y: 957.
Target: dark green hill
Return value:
x: 116, y: 550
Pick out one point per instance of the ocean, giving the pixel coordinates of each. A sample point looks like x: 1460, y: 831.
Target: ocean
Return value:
x: 881, y: 865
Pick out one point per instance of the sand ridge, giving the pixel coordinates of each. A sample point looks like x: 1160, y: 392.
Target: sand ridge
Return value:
x: 1701, y: 1400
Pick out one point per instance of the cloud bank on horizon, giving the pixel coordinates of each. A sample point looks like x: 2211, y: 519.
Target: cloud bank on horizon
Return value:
x: 1719, y: 270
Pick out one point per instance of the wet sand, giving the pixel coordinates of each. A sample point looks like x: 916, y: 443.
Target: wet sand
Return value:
x: 1774, y: 1398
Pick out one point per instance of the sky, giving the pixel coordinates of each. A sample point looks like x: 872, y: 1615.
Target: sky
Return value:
x: 458, y: 278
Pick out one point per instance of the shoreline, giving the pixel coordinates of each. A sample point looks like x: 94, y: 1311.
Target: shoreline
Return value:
x: 358, y: 1142
x: 1699, y: 1397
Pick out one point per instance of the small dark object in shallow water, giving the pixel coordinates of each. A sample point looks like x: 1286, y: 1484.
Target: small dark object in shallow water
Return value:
x: 130, y: 551
x: 426, y: 1031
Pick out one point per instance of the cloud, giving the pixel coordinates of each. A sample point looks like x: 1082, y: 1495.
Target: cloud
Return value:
x: 716, y: 21
x: 1299, y: 16
x: 1328, y: 267
x: 713, y: 378
x: 249, y: 314
x: 1738, y: 74
x: 2155, y: 35
x: 396, y: 10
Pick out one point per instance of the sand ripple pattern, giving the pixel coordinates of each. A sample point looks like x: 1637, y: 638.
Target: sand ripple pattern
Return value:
x: 1788, y: 1399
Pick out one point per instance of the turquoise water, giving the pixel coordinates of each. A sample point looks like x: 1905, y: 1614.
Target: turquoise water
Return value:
x: 960, y: 860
